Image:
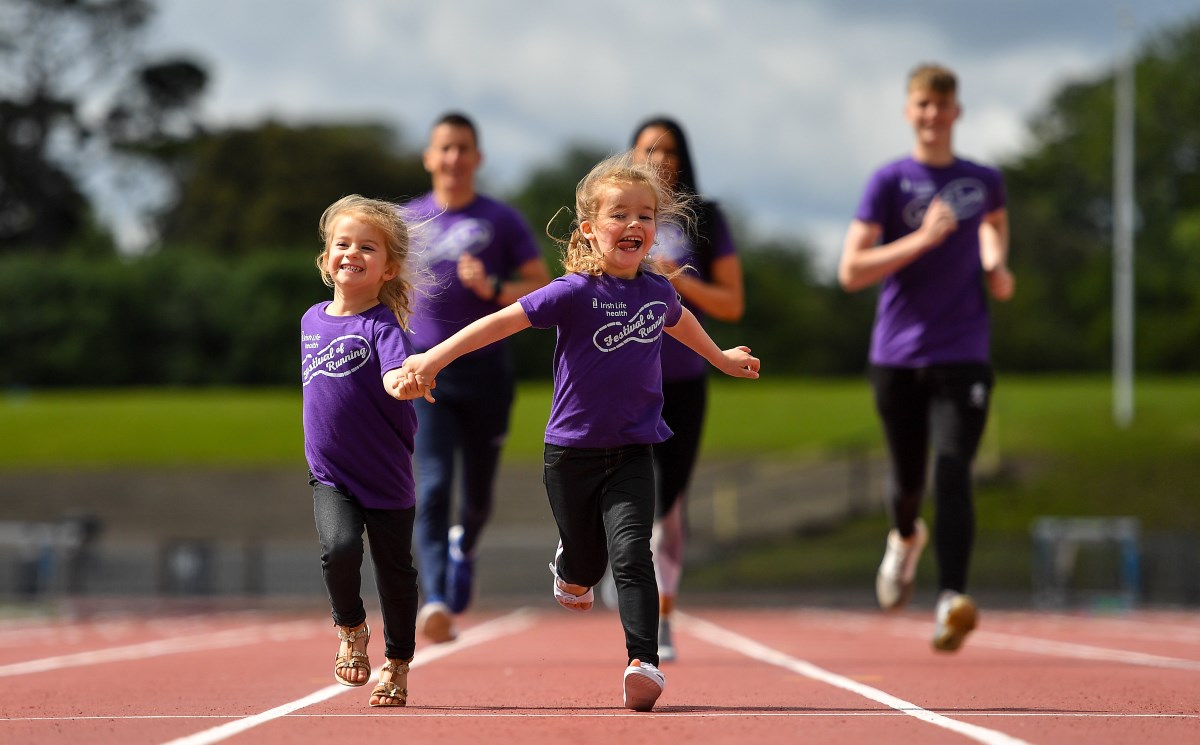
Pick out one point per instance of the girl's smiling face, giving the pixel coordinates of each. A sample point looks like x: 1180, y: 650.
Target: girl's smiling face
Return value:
x: 357, y: 259
x: 623, y: 229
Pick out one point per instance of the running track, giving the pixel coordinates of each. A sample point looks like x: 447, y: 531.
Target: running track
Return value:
x: 543, y: 675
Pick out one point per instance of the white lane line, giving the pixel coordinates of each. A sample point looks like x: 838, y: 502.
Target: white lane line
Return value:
x: 724, y: 638
x: 178, y: 645
x: 1071, y: 650
x: 485, y: 632
x: 1033, y: 645
x: 569, y: 714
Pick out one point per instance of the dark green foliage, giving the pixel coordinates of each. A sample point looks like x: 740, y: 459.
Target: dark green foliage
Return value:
x: 170, y: 319
x: 243, y: 191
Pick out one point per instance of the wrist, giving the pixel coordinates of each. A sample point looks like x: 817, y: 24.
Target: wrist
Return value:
x: 495, y: 286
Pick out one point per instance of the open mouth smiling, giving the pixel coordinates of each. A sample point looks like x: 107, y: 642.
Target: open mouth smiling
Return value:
x: 630, y: 243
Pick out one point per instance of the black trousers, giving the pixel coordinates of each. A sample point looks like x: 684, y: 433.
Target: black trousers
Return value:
x: 603, y: 503
x: 341, y: 521
x: 944, y: 407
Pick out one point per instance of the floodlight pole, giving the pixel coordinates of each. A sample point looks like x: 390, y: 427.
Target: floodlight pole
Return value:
x: 1123, y: 227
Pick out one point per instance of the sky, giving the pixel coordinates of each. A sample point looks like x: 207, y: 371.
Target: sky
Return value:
x: 788, y: 104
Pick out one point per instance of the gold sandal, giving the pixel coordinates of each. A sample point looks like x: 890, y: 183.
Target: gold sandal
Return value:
x: 352, y: 659
x: 396, y: 686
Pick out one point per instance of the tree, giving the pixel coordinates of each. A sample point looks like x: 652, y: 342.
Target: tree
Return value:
x: 241, y: 191
x: 1061, y: 209
x: 61, y: 59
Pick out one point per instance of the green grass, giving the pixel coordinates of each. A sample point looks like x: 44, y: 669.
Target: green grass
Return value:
x: 1051, y: 449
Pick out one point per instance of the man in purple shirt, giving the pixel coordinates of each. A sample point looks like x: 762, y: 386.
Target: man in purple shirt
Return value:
x: 932, y: 229
x: 480, y: 255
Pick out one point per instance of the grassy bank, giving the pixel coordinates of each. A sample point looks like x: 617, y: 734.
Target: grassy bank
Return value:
x: 1051, y: 449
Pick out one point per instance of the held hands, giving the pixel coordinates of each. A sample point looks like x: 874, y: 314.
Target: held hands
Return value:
x: 739, y: 363
x: 411, y: 380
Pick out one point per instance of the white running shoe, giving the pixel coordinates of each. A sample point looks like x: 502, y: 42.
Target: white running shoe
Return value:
x: 956, y: 616
x: 578, y: 602
x: 896, y: 579
x: 644, y: 683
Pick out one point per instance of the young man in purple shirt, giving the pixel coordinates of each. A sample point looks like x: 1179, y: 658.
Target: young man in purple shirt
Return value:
x: 481, y: 256
x: 932, y: 230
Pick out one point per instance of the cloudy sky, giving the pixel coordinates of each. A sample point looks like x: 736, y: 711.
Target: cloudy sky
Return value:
x: 789, y: 104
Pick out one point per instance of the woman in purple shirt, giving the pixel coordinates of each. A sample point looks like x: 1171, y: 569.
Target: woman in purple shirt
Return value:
x: 610, y: 310
x: 932, y: 229
x: 711, y: 287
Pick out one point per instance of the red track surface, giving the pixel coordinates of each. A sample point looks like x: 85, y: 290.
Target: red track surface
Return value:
x: 548, y: 676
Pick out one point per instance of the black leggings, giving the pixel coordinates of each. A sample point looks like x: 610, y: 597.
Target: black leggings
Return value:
x: 603, y: 504
x: 945, y: 406
x: 341, y: 521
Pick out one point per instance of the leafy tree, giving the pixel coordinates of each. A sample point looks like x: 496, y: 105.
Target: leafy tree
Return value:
x: 1061, y: 210
x: 59, y: 60
x: 243, y: 190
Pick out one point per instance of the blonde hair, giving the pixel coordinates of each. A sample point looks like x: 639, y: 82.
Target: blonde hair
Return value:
x: 934, y: 78
x: 396, y: 293
x: 579, y: 256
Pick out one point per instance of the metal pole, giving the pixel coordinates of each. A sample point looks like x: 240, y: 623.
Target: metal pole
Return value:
x: 1123, y: 226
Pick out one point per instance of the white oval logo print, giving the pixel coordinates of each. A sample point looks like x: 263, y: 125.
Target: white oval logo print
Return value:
x: 339, y: 358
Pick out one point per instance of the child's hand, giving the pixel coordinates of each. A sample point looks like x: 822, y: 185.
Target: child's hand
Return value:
x: 412, y: 381
x: 740, y: 363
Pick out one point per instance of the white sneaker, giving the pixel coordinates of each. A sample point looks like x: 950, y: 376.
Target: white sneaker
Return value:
x: 896, y: 579
x: 436, y: 624
x: 956, y: 616
x: 578, y: 602
x: 644, y: 683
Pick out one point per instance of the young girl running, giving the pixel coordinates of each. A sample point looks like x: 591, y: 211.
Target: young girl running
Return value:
x: 610, y: 310
x: 358, y: 439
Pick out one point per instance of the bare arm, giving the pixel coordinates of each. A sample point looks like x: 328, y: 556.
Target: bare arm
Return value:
x: 736, y: 362
x: 993, y: 254
x: 864, y: 264
x: 723, y: 297
x: 420, y: 370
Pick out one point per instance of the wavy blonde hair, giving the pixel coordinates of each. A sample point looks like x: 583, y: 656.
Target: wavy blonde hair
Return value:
x: 397, y: 292
x: 579, y: 256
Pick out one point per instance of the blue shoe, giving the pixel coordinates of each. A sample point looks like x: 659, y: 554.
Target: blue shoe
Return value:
x: 460, y: 574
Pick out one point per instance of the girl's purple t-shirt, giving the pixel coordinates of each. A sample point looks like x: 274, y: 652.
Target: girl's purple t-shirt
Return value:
x: 607, y: 371
x: 357, y: 438
x: 934, y: 310
x: 493, y: 232
x: 672, y: 243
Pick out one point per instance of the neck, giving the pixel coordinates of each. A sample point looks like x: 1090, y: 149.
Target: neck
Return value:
x: 934, y: 155
x: 350, y: 305
x: 453, y: 198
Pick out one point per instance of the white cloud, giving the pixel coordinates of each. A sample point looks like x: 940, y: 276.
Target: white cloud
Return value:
x: 789, y: 106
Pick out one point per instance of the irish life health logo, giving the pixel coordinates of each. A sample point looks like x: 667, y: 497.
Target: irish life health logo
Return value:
x: 339, y: 358
x: 643, y: 327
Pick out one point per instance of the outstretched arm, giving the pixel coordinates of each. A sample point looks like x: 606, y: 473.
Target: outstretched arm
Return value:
x: 736, y: 362
x: 420, y: 370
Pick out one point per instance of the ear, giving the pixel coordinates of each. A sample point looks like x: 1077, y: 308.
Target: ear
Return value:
x: 585, y: 227
x: 391, y: 272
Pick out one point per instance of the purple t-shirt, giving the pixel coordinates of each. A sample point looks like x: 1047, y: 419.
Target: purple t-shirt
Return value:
x: 670, y: 242
x: 932, y: 311
x: 607, y: 373
x: 357, y: 437
x: 493, y: 232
